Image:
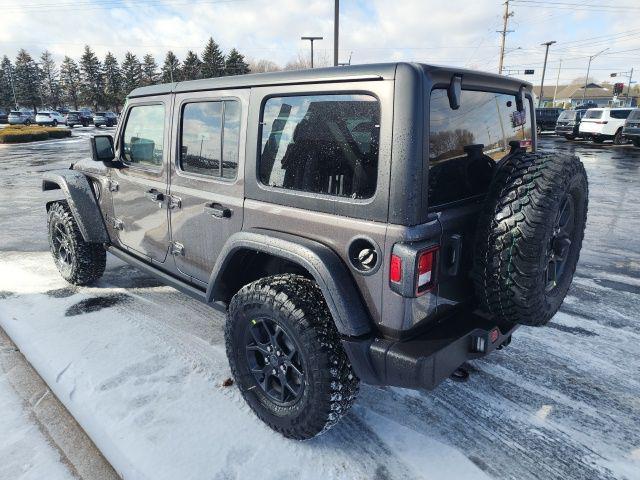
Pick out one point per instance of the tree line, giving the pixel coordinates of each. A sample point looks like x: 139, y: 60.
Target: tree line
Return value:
x: 103, y: 84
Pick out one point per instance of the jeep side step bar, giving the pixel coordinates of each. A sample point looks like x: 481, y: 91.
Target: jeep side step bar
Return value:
x: 426, y: 360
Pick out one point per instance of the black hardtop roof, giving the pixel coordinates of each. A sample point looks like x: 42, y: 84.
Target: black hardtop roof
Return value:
x: 375, y: 71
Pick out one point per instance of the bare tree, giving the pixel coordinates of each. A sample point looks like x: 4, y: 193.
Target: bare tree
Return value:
x: 263, y: 65
x: 302, y: 61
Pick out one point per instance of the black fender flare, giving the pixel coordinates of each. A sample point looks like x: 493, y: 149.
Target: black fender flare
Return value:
x: 82, y: 202
x: 333, y: 277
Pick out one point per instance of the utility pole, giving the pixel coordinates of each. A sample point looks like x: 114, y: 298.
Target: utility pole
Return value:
x: 629, y: 87
x: 555, y: 92
x: 311, y: 39
x: 13, y: 87
x: 586, y: 80
x: 336, y: 31
x: 504, y: 32
x: 544, y: 70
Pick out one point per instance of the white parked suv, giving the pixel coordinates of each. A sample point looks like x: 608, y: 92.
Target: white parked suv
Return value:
x: 50, y: 118
x: 602, y: 124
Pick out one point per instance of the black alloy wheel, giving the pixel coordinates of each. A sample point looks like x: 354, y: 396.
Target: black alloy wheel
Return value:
x: 275, y: 361
x: 560, y: 243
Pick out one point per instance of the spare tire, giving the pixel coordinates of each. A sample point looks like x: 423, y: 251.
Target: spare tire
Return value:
x: 529, y: 236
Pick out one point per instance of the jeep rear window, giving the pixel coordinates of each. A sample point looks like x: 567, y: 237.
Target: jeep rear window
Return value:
x: 210, y: 130
x: 465, y: 144
x: 321, y: 144
x: 144, y: 135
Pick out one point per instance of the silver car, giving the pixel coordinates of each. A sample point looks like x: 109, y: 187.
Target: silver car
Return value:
x: 21, y: 118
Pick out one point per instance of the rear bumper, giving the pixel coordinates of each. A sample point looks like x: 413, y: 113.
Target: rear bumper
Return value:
x: 425, y: 361
x: 566, y: 130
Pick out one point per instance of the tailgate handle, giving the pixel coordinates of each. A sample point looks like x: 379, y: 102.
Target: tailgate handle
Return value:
x: 217, y: 210
x: 455, y: 250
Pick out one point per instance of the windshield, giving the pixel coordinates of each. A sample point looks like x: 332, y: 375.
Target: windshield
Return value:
x: 635, y: 114
x: 568, y: 115
x: 593, y: 114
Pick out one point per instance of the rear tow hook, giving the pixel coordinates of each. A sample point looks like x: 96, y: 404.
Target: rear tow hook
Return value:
x: 460, y: 375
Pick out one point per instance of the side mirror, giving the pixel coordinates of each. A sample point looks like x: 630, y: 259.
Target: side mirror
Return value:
x: 102, y: 148
x: 520, y: 100
x: 454, y: 92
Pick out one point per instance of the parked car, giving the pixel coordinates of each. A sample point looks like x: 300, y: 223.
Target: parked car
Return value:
x: 568, y: 123
x: 631, y: 128
x: 281, y: 207
x: 50, y: 118
x: 21, y: 117
x: 4, y: 116
x: 546, y: 118
x: 82, y: 117
x: 107, y: 119
x: 600, y: 124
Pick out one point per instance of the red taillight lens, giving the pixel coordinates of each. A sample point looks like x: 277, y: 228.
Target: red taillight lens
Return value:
x: 426, y: 270
x: 395, y: 272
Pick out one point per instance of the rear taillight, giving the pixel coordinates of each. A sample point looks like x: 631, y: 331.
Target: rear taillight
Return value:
x: 426, y: 270
x: 412, y: 268
x: 395, y: 271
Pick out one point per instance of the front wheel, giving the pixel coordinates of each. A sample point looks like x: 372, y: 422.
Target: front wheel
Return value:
x: 27, y: 123
x: 286, y: 357
x: 636, y: 142
x: 569, y: 137
x: 598, y: 140
x: 55, y: 123
x: 79, y: 262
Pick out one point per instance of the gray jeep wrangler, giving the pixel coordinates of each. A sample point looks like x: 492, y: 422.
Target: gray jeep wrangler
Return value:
x: 376, y: 223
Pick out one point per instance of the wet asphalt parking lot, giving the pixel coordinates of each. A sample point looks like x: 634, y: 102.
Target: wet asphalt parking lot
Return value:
x: 562, y: 402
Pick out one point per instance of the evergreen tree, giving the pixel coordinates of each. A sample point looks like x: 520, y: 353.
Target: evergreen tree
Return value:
x: 212, y: 60
x: 192, y: 67
x: 6, y: 84
x: 235, y: 64
x: 50, y: 81
x: 113, y: 94
x: 131, y: 73
x: 171, y: 68
x: 92, y: 86
x: 149, y: 70
x: 27, y: 80
x: 70, y: 81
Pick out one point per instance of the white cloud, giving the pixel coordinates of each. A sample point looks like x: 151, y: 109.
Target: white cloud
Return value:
x: 458, y: 32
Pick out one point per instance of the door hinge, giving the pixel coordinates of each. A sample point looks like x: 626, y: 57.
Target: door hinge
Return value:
x: 174, y: 202
x: 177, y: 248
x: 117, y: 224
x: 113, y: 186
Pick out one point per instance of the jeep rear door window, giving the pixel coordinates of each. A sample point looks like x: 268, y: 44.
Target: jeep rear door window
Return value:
x: 465, y: 144
x: 210, y: 132
x: 321, y: 144
x: 143, y: 136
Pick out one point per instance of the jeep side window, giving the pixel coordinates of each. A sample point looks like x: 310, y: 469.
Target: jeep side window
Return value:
x: 464, y: 144
x: 210, y: 131
x: 143, y: 137
x: 321, y: 144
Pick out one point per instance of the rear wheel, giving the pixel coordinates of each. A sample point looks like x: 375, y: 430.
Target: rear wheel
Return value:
x: 569, y: 137
x: 55, y: 123
x: 79, y: 262
x: 598, y: 140
x: 286, y: 357
x: 529, y: 236
x: 27, y: 122
x: 636, y: 142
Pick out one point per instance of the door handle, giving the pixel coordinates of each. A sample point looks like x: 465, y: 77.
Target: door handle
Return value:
x: 154, y: 195
x: 217, y: 210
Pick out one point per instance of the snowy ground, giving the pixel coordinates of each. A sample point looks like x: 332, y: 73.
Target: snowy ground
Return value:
x: 140, y: 366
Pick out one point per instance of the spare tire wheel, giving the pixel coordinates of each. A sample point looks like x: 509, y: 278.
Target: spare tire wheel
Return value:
x: 529, y: 236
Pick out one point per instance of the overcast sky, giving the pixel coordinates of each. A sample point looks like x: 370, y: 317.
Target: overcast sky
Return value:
x: 453, y: 32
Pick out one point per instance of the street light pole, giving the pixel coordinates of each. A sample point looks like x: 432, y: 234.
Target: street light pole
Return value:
x: 544, y: 70
x: 336, y: 31
x: 586, y: 80
x: 629, y: 87
x: 311, y: 39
